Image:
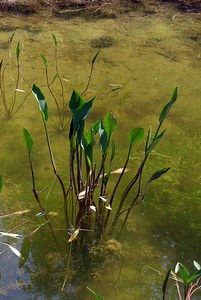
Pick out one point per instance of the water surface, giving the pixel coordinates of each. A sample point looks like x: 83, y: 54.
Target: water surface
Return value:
x: 150, y: 55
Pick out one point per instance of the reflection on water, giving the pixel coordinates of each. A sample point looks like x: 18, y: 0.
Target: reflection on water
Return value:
x: 150, y: 55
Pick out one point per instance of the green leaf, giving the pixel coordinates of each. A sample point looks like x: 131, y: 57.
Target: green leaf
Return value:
x: 183, y: 272
x: 168, y: 106
x: 96, y: 296
x: 114, y: 90
x: 54, y: 38
x: 80, y: 131
x: 81, y: 113
x: 88, y: 150
x: 148, y: 140
x: 158, y: 174
x: 28, y: 140
x: 24, y: 252
x: 110, y: 124
x: 194, y: 276
x: 75, y: 101
x: 136, y: 135
x: 95, y: 56
x: 95, y: 127
x: 103, y: 139
x: 113, y: 151
x: 44, y: 60
x: 41, y: 101
x: 1, y: 183
x: 155, y: 142
x: 18, y: 50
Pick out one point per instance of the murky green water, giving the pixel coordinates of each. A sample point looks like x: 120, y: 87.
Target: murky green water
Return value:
x: 150, y: 56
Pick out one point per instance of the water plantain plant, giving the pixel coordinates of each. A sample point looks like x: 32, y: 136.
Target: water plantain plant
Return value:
x: 58, y: 80
x: 88, y: 203
x: 11, y: 104
x: 190, y: 282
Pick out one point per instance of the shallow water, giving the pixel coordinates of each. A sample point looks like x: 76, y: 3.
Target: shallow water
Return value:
x: 151, y: 55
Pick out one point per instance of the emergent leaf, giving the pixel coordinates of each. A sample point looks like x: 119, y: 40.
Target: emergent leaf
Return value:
x: 41, y: 101
x: 28, y: 140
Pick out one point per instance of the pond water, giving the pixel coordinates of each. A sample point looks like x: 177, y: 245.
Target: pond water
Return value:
x: 147, y: 56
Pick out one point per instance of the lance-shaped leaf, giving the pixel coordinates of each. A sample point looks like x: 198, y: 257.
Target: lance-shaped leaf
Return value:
x: 107, y: 126
x: 155, y: 176
x: 13, y: 249
x: 95, y: 127
x: 44, y: 60
x: 103, y: 139
x: 24, y: 252
x: 155, y: 142
x: 93, y: 293
x: 54, y: 38
x: 95, y: 57
x: 81, y: 113
x: 148, y: 140
x: 168, y: 106
x: 1, y: 183
x: 41, y: 101
x: 194, y: 276
x: 75, y: 101
x: 28, y: 140
x: 88, y: 150
x: 135, y: 136
x: 158, y: 174
x: 183, y: 272
x: 197, y: 265
x: 110, y: 124
x: 164, y: 287
x: 18, y: 50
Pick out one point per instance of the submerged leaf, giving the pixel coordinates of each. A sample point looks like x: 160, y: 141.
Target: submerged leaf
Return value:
x: 74, y: 235
x: 42, y: 213
x: 16, y: 213
x: 14, y: 235
x: 92, y: 207
x: 24, y: 252
x: 103, y: 198
x: 119, y: 171
x: 108, y: 207
x: 14, y: 250
x: 41, y: 101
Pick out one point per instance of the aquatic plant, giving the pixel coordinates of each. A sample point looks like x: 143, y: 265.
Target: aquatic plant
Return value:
x: 87, y: 202
x: 190, y: 282
x: 60, y: 101
x: 11, y: 105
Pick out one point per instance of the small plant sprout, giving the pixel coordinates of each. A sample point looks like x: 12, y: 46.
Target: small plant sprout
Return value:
x: 11, y: 104
x: 190, y: 282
